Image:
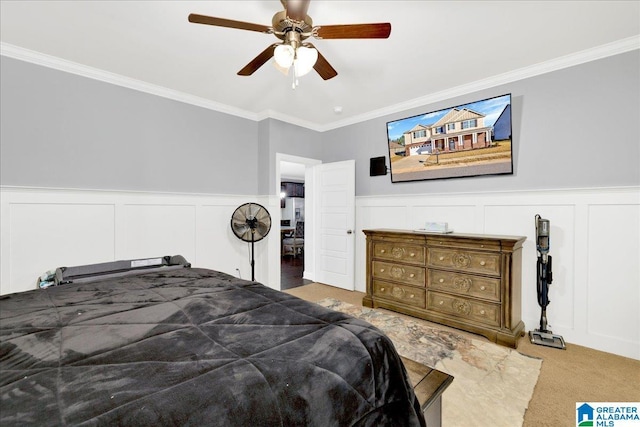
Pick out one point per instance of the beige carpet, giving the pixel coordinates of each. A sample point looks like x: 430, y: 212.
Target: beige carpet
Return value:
x: 492, y: 384
x: 577, y: 374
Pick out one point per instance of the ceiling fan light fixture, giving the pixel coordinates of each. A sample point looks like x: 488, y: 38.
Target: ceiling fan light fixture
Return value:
x: 283, y: 70
x: 306, y: 58
x: 293, y: 26
x: 284, y: 55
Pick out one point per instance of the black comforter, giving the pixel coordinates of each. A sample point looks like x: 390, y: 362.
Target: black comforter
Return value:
x: 193, y: 347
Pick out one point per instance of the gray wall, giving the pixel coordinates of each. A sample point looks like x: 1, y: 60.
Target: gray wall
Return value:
x: 574, y: 128
x: 288, y: 139
x: 61, y: 130
x: 264, y: 167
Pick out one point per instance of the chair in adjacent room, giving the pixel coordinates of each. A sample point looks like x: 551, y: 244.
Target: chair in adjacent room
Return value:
x: 293, y: 244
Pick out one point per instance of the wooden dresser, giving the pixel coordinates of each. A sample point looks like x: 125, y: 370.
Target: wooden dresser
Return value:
x: 467, y: 281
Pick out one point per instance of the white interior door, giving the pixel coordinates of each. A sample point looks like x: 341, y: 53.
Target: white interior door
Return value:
x: 334, y: 195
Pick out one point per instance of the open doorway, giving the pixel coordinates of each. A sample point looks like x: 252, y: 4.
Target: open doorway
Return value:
x: 329, y: 193
x: 292, y: 224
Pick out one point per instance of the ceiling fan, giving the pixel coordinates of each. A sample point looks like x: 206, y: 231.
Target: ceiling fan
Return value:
x: 293, y: 26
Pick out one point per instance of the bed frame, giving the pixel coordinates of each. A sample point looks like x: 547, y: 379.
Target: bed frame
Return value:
x: 428, y: 385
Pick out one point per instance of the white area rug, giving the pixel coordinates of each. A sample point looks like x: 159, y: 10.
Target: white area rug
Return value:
x: 492, y: 384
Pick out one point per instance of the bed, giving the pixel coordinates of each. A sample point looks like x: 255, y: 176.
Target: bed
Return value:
x: 193, y: 346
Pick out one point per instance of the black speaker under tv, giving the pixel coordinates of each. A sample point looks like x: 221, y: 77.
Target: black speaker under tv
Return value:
x: 377, y: 166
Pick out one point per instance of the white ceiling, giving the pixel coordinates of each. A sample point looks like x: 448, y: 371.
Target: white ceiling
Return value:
x: 437, y: 49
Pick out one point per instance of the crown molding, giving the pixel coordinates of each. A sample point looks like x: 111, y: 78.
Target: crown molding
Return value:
x: 60, y: 64
x: 599, y: 52
x: 271, y: 114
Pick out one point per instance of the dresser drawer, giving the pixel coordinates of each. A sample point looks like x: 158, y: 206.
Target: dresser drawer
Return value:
x: 476, y: 262
x: 399, y: 252
x: 405, y: 294
x: 403, y: 273
x: 464, y: 284
x: 471, y: 244
x: 483, y: 312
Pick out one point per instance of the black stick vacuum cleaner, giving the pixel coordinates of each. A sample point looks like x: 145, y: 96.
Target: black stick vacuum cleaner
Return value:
x: 544, y: 336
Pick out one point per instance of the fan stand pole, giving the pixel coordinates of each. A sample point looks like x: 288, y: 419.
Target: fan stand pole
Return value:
x: 253, y: 262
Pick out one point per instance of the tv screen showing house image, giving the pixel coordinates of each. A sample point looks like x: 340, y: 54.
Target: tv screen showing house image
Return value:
x: 468, y: 140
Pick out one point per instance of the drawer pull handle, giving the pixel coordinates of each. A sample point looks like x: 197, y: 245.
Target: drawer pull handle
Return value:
x: 441, y: 302
x: 483, y: 263
x: 441, y: 280
x: 381, y: 289
x: 482, y: 312
x: 412, y: 254
x: 441, y: 258
x: 411, y: 296
x: 482, y: 288
x: 382, y: 251
x: 382, y: 270
x: 482, y: 246
x: 412, y: 275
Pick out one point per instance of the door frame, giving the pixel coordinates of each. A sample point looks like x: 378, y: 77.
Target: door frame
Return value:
x: 275, y: 248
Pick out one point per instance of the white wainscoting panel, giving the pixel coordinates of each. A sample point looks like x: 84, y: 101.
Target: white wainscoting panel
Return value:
x: 46, y: 236
x: 595, y: 246
x: 613, y: 290
x: 519, y: 220
x: 42, y: 229
x: 381, y: 216
x: 463, y: 217
x: 158, y: 230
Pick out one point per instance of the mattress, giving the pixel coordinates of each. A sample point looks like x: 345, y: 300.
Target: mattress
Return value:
x: 193, y: 347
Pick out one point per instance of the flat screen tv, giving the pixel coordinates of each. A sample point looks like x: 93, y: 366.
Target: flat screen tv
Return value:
x: 468, y: 140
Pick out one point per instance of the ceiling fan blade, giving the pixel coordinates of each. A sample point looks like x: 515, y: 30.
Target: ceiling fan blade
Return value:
x: 296, y: 9
x: 258, y: 61
x: 229, y: 23
x: 353, y: 31
x: 322, y: 66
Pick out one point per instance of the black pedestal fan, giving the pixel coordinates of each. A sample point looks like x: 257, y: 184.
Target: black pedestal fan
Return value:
x: 251, y: 222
